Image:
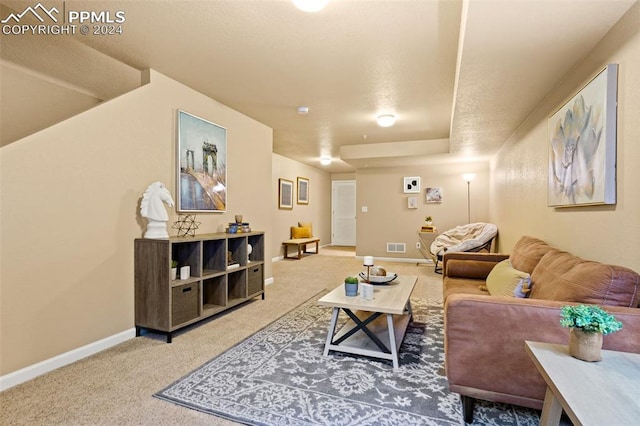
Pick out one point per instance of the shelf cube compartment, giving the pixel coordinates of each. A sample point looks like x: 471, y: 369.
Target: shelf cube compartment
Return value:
x: 187, y: 254
x: 214, y: 257
x: 236, y: 286
x: 237, y: 247
x: 257, y: 248
x: 214, y: 294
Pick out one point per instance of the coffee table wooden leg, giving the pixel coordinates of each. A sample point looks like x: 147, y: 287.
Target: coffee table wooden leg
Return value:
x: 409, y: 309
x: 332, y: 330
x: 392, y: 341
x: 551, y: 410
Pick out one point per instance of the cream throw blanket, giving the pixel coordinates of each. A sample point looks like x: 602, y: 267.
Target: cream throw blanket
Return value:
x: 463, y: 238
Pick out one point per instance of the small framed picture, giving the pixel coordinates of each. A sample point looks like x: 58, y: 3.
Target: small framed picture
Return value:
x: 411, y: 185
x: 285, y: 194
x: 412, y: 202
x: 433, y: 195
x: 303, y: 190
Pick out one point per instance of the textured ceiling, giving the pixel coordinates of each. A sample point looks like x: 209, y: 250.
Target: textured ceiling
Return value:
x: 459, y: 76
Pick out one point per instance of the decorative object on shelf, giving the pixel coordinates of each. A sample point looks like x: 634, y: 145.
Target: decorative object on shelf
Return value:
x: 238, y: 227
x: 303, y: 190
x: 368, y: 262
x: 582, y: 145
x: 351, y: 286
x: 174, y: 270
x: 588, y: 323
x: 186, y: 225
x: 428, y: 225
x: 202, y: 165
x: 285, y: 194
x: 249, y: 251
x: 231, y: 262
x: 152, y: 208
x: 411, y: 185
x: 238, y: 218
x: 185, y: 272
x: 433, y: 195
x: 412, y: 202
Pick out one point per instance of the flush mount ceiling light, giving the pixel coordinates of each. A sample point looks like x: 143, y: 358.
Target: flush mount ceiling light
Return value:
x: 386, y: 120
x: 303, y: 110
x: 310, y: 5
x: 325, y: 161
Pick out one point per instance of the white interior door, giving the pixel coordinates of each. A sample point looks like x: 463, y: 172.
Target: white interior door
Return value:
x: 343, y: 213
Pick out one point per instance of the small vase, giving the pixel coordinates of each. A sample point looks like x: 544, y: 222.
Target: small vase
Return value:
x: 174, y: 273
x: 351, y: 289
x: 585, y: 346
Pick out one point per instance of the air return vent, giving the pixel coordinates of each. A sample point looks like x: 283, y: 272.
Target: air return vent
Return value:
x: 396, y: 247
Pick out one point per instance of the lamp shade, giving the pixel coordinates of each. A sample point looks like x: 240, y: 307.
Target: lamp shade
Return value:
x: 468, y: 177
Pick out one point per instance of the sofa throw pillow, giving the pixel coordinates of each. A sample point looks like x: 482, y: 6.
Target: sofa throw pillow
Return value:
x: 300, y: 232
x: 504, y: 280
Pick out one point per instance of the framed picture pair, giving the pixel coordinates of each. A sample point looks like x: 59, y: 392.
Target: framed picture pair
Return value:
x: 285, y: 192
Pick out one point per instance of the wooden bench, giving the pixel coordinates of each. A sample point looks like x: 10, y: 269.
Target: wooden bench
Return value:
x: 301, y: 244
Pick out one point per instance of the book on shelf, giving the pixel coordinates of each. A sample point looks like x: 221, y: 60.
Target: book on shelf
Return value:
x: 233, y: 266
x: 428, y: 229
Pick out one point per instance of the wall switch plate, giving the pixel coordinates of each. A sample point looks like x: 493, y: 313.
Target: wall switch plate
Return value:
x: 364, y: 209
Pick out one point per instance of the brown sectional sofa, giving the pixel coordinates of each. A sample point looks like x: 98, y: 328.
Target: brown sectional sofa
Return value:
x: 485, y: 334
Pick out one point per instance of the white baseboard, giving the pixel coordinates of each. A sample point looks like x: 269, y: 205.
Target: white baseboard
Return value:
x: 400, y: 259
x: 20, y: 376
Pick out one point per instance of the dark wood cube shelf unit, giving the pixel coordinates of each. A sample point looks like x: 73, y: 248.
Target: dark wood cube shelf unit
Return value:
x: 165, y: 305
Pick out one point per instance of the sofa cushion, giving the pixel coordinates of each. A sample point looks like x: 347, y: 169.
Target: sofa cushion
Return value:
x: 504, y: 280
x: 565, y: 277
x: 527, y: 252
x: 470, y: 269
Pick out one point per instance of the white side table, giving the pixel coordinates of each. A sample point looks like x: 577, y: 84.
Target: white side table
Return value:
x: 591, y: 393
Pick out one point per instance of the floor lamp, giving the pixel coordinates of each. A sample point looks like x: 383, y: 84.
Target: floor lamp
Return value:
x: 468, y: 177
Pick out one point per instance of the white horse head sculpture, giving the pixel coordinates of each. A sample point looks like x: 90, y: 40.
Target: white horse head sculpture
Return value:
x: 152, y: 208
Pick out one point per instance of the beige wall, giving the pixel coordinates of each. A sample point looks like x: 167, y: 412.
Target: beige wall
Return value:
x: 519, y: 173
x: 389, y: 220
x: 70, y: 213
x: 318, y: 211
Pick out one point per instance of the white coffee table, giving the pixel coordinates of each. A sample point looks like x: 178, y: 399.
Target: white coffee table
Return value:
x: 376, y: 327
x: 591, y: 393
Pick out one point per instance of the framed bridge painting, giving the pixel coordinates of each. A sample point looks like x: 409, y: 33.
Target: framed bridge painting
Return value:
x: 582, y: 145
x: 202, y: 165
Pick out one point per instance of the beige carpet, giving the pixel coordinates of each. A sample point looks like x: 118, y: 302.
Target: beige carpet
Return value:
x: 116, y: 386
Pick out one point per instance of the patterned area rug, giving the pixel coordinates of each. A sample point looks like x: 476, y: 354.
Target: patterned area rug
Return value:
x: 278, y: 376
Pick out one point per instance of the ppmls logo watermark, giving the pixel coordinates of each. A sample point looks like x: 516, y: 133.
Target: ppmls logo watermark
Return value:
x: 55, y: 21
